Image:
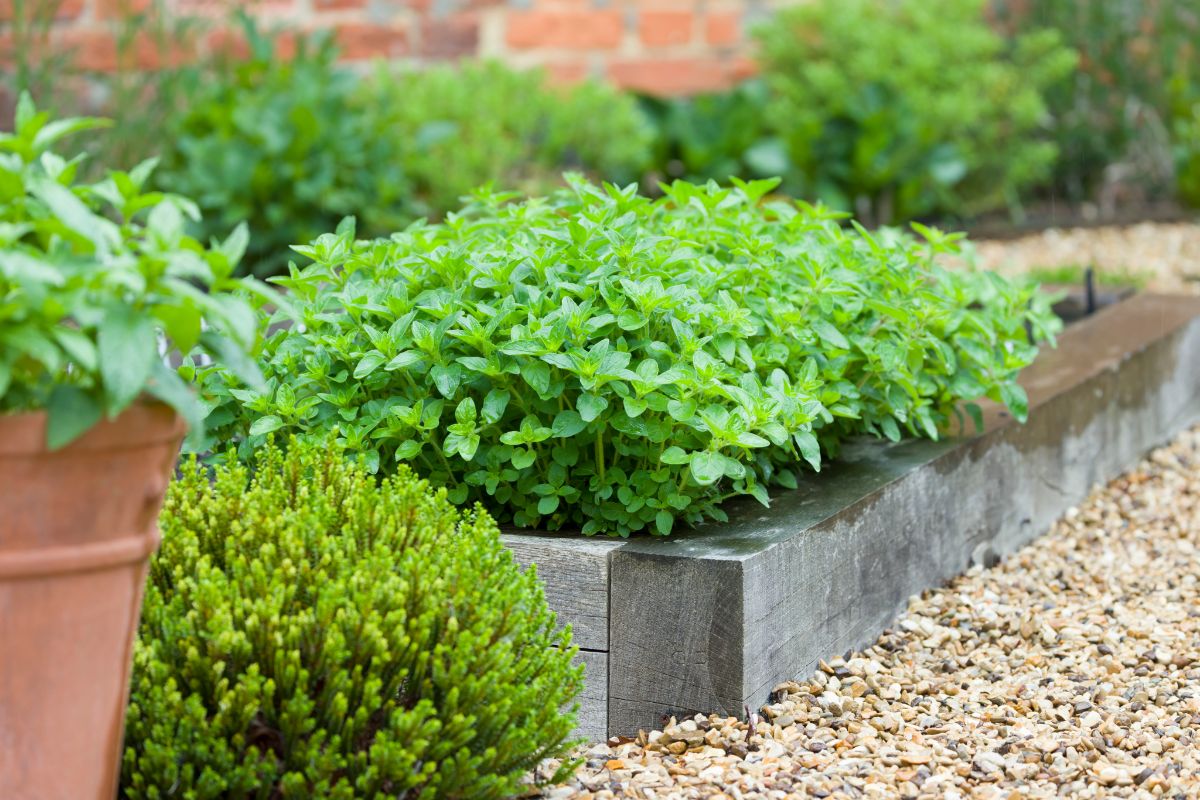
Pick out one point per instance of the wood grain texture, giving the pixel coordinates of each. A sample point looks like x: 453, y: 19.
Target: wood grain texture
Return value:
x: 575, y: 572
x: 593, y: 701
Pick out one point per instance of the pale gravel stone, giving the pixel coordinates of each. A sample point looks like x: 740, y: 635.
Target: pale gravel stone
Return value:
x: 1072, y: 669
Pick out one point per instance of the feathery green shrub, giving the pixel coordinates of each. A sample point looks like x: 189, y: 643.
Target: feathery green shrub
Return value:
x: 311, y: 633
x: 604, y: 361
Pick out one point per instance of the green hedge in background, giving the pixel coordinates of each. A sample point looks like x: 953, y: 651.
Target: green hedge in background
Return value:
x: 282, y: 144
x: 293, y: 144
x: 901, y: 109
x: 311, y: 633
x: 718, y: 135
x: 459, y: 127
x: 1125, y: 115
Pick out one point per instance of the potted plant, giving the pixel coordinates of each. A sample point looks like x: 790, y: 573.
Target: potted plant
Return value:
x: 98, y: 282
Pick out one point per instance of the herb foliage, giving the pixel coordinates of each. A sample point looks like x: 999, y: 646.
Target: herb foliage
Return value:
x: 96, y: 277
x: 600, y: 360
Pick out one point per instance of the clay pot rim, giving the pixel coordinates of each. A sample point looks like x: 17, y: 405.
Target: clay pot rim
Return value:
x: 143, y: 423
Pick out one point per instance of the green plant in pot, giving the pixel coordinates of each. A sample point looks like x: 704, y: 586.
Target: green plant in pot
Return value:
x: 98, y: 282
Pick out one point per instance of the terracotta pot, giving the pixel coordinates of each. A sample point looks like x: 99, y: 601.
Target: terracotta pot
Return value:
x: 77, y: 527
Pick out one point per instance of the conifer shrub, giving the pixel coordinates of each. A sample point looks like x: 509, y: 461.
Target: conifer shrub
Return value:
x: 602, y: 361
x: 309, y: 632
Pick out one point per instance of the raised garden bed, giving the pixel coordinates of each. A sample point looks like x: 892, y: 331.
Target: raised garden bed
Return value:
x: 711, y: 620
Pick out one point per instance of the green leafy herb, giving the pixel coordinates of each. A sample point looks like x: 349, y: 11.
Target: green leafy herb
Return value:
x: 97, y: 280
x: 600, y: 360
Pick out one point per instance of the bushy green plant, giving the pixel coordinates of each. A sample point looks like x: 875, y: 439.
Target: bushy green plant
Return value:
x: 1133, y: 55
x: 465, y: 125
x: 719, y: 135
x: 95, y: 277
x: 310, y: 633
x: 601, y: 360
x: 904, y: 108
x: 280, y: 142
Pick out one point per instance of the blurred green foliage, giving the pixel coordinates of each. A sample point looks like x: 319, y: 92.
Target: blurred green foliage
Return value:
x: 1075, y: 275
x: 907, y: 108
x: 294, y: 144
x: 893, y: 109
x: 717, y: 135
x: 459, y: 127
x: 1137, y: 82
x: 1187, y: 157
x: 280, y: 143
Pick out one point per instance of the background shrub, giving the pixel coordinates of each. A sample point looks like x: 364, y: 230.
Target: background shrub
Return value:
x: 478, y: 122
x: 281, y: 144
x: 1187, y: 157
x: 308, y: 633
x: 604, y: 361
x: 293, y: 144
x: 904, y: 108
x: 1138, y: 59
x: 718, y: 135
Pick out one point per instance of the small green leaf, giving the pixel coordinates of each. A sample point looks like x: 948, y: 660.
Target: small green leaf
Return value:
x: 548, y: 505
x: 407, y: 450
x: 465, y: 413
x: 494, y: 405
x: 71, y: 412
x: 128, y: 348
x: 590, y: 406
x: 368, y: 364
x: 264, y: 425
x: 747, y: 439
x: 663, y: 522
x: 829, y: 334
x: 568, y: 423
x: 682, y: 410
x: 634, y: 406
x: 810, y: 448
x: 707, y: 468
x: 523, y: 458
x: 976, y: 414
x: 446, y: 379
x: 404, y: 359
x: 1013, y: 395
x: 674, y: 455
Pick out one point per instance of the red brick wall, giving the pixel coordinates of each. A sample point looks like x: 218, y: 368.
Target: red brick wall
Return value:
x: 658, y: 46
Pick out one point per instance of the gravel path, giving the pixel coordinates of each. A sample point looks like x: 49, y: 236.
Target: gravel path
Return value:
x: 1070, y: 670
x: 1167, y: 253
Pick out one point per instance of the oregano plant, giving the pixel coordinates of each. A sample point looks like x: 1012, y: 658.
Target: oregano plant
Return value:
x: 603, y: 361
